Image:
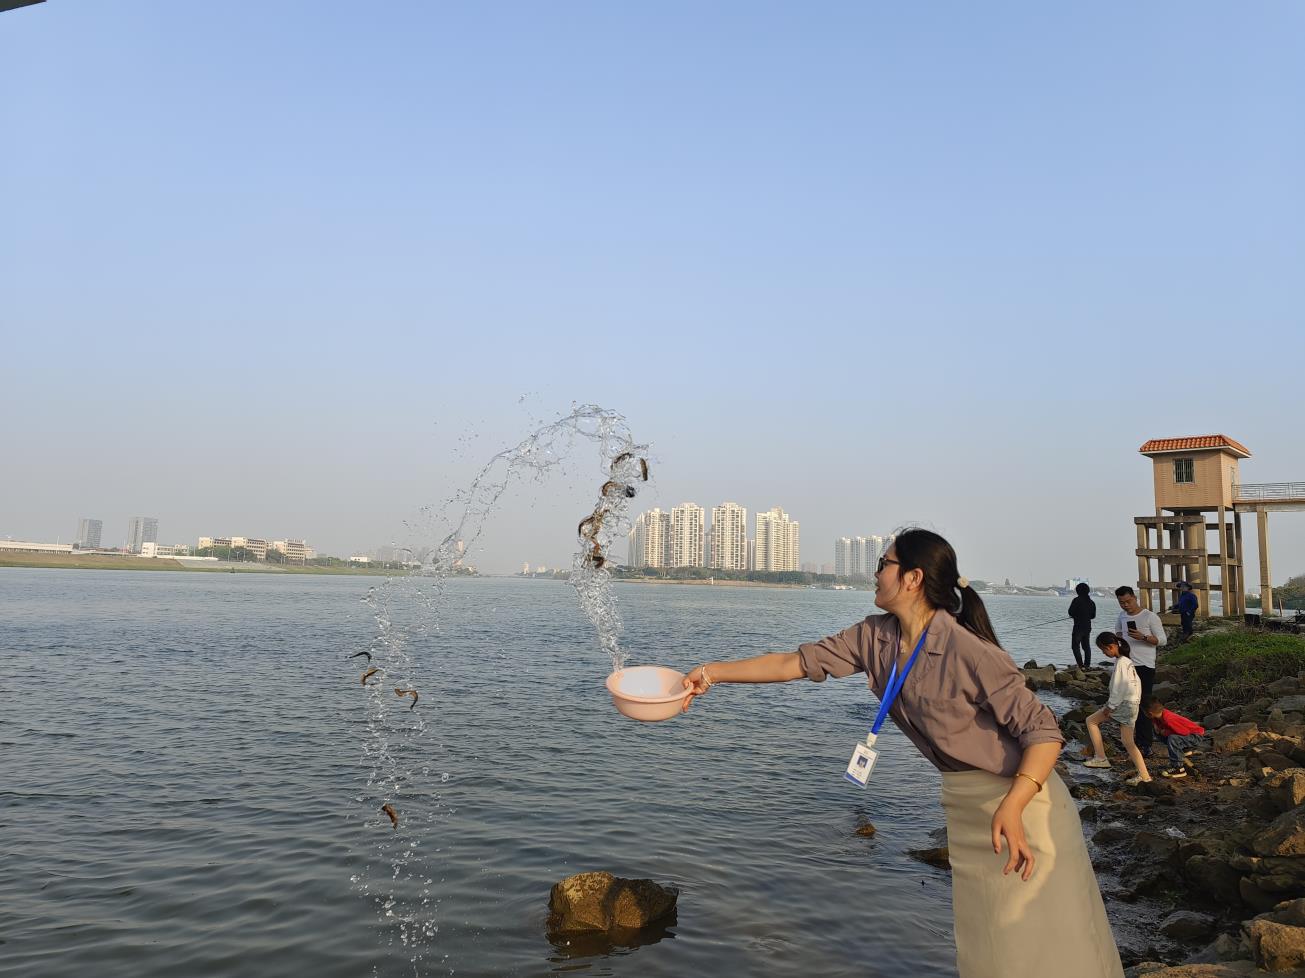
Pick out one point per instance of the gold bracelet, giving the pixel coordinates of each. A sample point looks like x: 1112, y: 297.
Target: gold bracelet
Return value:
x: 1021, y: 774
x: 706, y: 678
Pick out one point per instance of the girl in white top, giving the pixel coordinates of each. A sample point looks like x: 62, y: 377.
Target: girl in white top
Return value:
x: 1122, y: 707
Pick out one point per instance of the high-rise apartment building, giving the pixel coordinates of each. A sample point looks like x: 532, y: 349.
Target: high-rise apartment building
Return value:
x: 140, y: 531
x: 687, y: 525
x: 776, y: 542
x: 729, y: 537
x: 881, y: 545
x: 88, y: 534
x: 843, y: 557
x: 650, y: 539
x: 860, y: 547
x: 859, y: 556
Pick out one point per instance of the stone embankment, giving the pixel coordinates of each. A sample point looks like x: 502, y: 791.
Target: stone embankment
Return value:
x: 1203, y: 875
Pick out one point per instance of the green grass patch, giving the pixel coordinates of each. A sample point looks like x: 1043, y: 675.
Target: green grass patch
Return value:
x: 1230, y: 665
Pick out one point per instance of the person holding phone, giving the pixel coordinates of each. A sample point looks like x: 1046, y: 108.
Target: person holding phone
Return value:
x: 934, y: 661
x: 1144, y: 632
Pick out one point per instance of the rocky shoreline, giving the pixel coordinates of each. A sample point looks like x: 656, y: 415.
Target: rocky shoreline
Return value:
x: 1203, y: 875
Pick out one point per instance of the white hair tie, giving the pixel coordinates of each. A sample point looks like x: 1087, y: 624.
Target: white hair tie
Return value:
x: 962, y: 582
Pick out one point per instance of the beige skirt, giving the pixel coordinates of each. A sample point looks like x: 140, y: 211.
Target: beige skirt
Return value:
x: 1053, y: 926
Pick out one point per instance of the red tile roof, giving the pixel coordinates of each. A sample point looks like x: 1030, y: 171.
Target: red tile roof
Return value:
x: 1157, y: 446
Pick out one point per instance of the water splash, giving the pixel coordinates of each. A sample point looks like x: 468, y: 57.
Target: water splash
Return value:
x: 398, y: 875
x: 591, y: 575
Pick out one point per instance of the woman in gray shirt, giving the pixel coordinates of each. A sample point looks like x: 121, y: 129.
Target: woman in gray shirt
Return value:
x: 966, y: 707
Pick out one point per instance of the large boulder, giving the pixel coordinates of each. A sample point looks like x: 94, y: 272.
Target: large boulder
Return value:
x: 603, y: 902
x: 1221, y: 717
x: 1277, y: 947
x: 1285, y: 835
x: 1255, y: 897
x: 1263, y: 757
x: 1213, y: 876
x: 1294, y: 703
x: 1187, y: 925
x: 1234, y: 737
x: 1043, y: 678
x: 938, y: 857
x: 1166, y: 692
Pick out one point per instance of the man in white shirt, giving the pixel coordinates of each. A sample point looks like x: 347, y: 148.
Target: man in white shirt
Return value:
x: 1145, y: 634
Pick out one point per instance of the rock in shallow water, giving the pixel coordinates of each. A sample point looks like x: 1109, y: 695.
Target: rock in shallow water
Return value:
x: 589, y: 902
x: 938, y: 857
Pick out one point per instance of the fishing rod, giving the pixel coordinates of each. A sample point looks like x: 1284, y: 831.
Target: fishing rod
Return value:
x: 1022, y: 628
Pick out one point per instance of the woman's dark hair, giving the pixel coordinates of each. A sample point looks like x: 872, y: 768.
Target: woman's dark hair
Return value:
x: 1110, y: 638
x: 927, y: 552
x: 1082, y: 589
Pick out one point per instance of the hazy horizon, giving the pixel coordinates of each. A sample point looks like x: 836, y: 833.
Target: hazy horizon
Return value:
x: 299, y: 271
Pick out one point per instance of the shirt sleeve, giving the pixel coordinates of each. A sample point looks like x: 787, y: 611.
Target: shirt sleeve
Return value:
x: 1158, y: 630
x: 1117, y: 688
x: 1005, y: 695
x: 841, y: 654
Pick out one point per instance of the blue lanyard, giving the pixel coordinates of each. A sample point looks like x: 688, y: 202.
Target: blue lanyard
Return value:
x: 895, y: 685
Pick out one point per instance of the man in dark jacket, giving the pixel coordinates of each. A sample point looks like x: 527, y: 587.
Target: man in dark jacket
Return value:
x: 1082, y: 609
x: 1186, y: 607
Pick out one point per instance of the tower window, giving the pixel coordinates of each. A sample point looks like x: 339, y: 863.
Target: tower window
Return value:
x: 1184, y: 470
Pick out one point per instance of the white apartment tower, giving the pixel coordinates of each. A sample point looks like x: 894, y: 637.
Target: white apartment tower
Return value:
x: 843, y: 557
x: 650, y: 539
x: 776, y: 542
x: 729, y: 537
x: 687, y: 525
x: 881, y: 545
x: 859, y: 555
x: 863, y: 556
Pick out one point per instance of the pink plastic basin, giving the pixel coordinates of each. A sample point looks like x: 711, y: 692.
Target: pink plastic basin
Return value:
x: 647, y: 693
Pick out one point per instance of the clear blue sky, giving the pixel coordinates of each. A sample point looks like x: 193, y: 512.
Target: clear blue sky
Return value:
x: 286, y: 269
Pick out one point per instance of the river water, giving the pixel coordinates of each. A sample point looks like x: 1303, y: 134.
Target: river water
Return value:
x: 182, y: 783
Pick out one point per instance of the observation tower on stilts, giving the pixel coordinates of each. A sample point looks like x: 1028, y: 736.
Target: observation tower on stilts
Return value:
x: 1199, y: 500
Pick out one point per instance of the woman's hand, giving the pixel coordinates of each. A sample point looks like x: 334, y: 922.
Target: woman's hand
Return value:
x: 1008, y: 822
x: 695, y: 685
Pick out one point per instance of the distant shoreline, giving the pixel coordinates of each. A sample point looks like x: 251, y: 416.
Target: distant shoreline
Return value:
x: 725, y: 583
x: 127, y: 563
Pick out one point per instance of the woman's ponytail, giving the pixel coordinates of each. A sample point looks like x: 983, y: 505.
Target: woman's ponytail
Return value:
x: 974, y: 615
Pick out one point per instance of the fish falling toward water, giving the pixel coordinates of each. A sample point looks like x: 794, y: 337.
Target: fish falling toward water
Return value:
x: 591, y: 524
x: 408, y: 692
x: 363, y: 652
x: 367, y: 675
x: 388, y: 809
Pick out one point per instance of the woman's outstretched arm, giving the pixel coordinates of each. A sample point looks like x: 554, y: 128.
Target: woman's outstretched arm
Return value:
x: 773, y: 667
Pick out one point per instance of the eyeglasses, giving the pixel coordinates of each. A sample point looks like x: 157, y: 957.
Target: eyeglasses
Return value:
x: 884, y: 561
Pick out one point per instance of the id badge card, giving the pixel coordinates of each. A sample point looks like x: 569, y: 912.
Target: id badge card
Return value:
x: 862, y: 763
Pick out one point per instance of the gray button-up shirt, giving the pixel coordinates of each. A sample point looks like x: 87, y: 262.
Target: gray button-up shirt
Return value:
x: 964, y: 704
